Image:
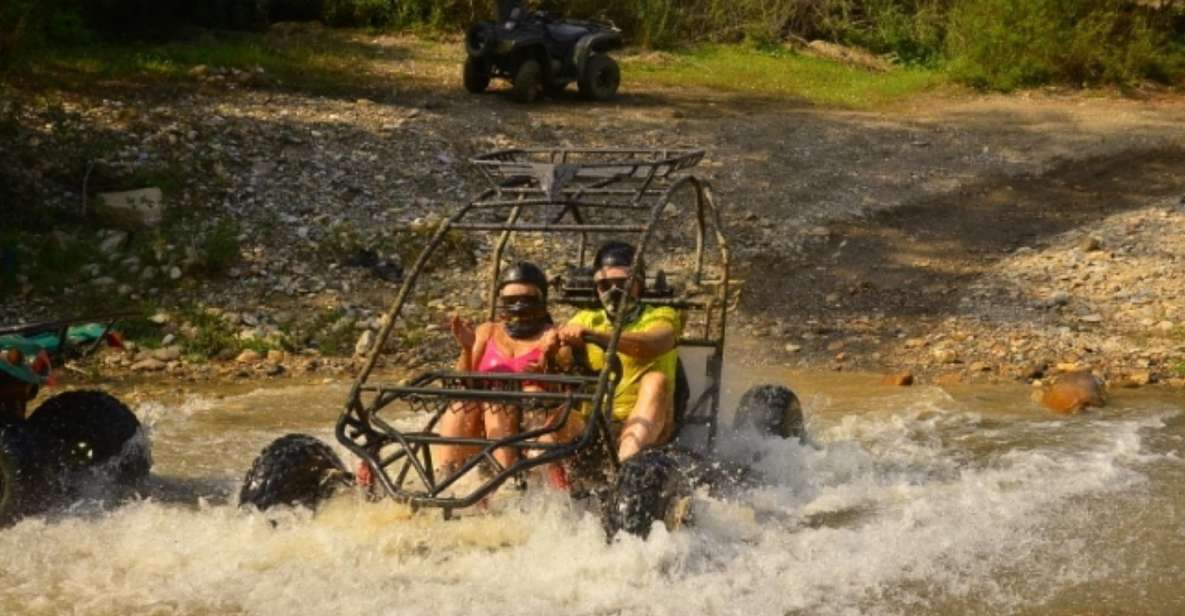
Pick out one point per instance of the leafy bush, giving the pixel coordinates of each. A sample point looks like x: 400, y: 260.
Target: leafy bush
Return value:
x: 1006, y: 44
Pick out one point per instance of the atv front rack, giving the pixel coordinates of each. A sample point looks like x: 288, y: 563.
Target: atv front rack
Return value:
x: 403, y: 461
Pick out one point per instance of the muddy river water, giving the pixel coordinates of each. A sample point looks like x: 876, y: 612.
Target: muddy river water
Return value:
x: 914, y: 500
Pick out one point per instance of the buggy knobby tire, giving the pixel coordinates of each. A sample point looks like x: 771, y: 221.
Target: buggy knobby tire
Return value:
x: 88, y: 429
x: 650, y: 487
x: 528, y: 80
x: 771, y: 410
x: 600, y: 79
x: 475, y: 75
x: 296, y: 469
x: 18, y: 473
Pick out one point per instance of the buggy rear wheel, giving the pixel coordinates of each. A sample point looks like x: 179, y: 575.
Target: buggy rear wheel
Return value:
x: 650, y: 487
x: 296, y: 469
x: 601, y: 78
x: 528, y: 80
x: 18, y: 473
x: 87, y: 429
x: 772, y: 410
x: 475, y: 75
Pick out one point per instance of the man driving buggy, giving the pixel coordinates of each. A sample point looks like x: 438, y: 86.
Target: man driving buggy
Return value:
x: 644, y: 400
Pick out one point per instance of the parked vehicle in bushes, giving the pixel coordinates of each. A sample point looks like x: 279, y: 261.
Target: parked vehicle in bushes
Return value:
x: 69, y: 436
x: 542, y: 54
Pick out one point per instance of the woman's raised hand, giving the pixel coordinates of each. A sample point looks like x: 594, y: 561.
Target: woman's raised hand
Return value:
x: 463, y: 332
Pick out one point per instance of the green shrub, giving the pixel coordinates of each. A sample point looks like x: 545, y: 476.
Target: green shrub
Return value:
x: 220, y: 248
x: 1006, y: 44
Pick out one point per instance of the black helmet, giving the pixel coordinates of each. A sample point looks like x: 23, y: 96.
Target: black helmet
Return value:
x: 617, y: 254
x: 524, y: 272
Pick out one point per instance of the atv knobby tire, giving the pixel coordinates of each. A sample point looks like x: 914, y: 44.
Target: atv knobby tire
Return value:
x: 296, y: 469
x: 650, y: 486
x: 87, y: 429
x: 601, y: 78
x: 18, y: 473
x: 772, y: 410
x: 475, y: 75
x: 528, y: 80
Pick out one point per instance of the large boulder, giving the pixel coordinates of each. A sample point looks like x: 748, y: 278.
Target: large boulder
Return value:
x: 132, y: 208
x: 1074, y: 391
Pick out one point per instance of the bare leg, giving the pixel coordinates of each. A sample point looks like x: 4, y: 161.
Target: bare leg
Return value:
x: 462, y: 420
x: 648, y: 423
x: 501, y: 422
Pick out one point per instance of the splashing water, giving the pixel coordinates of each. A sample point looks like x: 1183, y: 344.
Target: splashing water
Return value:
x: 905, y: 501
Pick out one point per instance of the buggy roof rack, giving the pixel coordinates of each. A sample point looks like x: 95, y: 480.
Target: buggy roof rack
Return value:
x: 556, y: 173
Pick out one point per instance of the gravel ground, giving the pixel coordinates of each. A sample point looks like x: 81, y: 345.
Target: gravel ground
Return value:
x: 976, y: 237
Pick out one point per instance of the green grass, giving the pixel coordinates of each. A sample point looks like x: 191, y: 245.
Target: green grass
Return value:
x: 329, y: 62
x: 778, y: 74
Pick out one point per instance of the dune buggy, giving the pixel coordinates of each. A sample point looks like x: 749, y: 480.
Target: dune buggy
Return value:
x: 44, y: 455
x: 569, y: 197
x: 539, y: 53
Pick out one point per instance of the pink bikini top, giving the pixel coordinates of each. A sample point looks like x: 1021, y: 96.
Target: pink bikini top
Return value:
x: 493, y: 360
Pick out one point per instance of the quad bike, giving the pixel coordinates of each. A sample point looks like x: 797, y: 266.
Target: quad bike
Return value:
x: 70, y: 435
x: 541, y: 54
x: 569, y: 197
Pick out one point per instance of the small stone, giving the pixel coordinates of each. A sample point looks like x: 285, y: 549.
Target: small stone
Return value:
x: 168, y: 340
x: 167, y: 354
x: 148, y: 365
x: 915, y: 343
x: 944, y: 355
x: 248, y: 356
x: 832, y: 298
x: 275, y: 356
x: 898, y: 379
x: 364, y: 343
x: 113, y: 243
x: 1089, y: 244
x: 132, y: 208
x: 1092, y: 318
x: 838, y: 345
x: 1165, y: 326
x: 792, y: 348
x: 174, y: 273
x: 160, y: 318
x: 979, y: 366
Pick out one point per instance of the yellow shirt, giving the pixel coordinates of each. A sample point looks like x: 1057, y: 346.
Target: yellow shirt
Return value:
x: 632, y: 370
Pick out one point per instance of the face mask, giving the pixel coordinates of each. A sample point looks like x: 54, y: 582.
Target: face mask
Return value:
x: 523, y: 316
x: 611, y: 296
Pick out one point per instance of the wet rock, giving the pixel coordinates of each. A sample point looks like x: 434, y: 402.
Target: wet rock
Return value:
x: 898, y: 379
x: 1072, y: 392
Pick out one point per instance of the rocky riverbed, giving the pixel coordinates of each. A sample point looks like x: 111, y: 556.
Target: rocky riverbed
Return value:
x: 954, y: 239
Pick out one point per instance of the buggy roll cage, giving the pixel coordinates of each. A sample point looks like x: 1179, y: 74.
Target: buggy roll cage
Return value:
x: 581, y: 185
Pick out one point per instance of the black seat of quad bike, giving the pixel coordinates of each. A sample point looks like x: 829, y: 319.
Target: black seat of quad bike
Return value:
x: 566, y: 33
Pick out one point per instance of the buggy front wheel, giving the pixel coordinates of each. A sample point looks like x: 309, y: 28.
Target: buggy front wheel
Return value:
x: 296, y: 469
x: 771, y: 410
x: 650, y: 487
